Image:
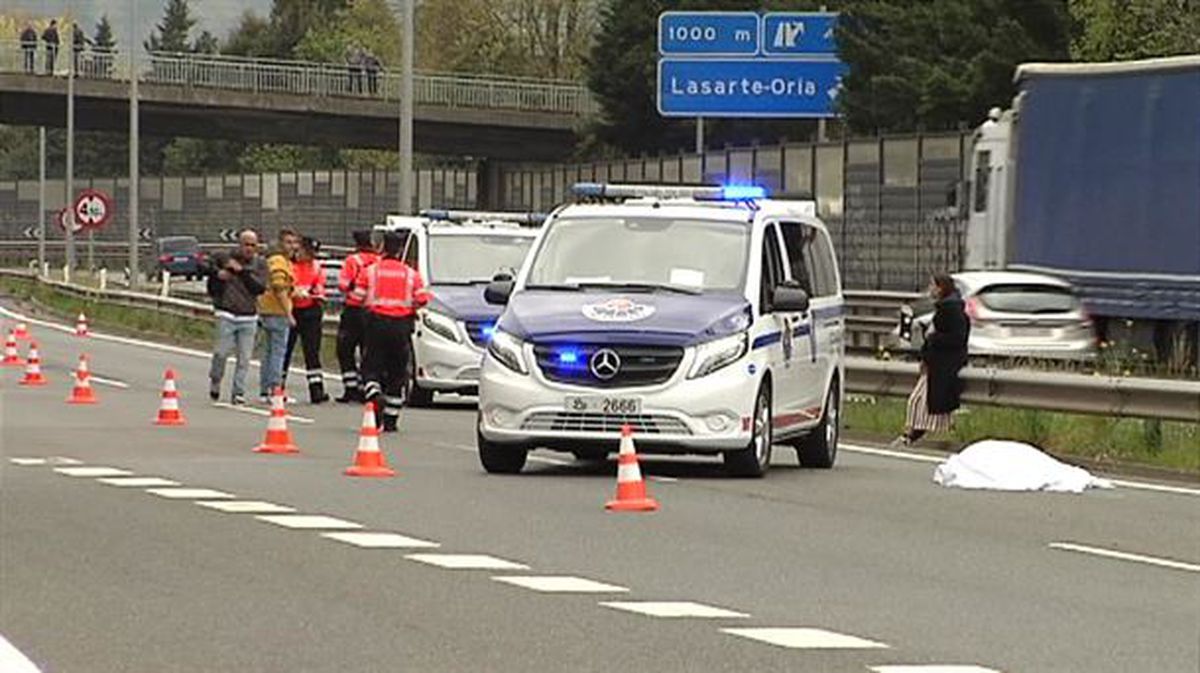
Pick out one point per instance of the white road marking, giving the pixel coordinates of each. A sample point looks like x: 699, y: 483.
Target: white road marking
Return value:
x: 546, y: 460
x: 381, y: 540
x: 246, y: 507
x: 259, y: 412
x: 109, y: 382
x: 888, y: 453
x: 188, y: 493
x: 562, y: 584
x: 1126, y: 556
x: 13, y: 661
x: 309, y: 522
x: 92, y: 472
x: 673, y: 609
x: 27, y: 461
x: 63, y: 460
x: 665, y: 480
x: 1160, y: 488
x: 800, y: 638
x: 933, y: 668
x: 141, y: 482
x: 467, y: 562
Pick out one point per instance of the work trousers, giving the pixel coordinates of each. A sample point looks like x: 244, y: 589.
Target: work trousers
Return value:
x: 308, y: 332
x: 389, y: 341
x: 351, y: 349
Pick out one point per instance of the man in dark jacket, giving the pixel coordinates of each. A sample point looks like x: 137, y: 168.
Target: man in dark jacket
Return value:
x: 50, y: 37
x: 29, y: 40
x: 235, y: 280
x: 938, y: 391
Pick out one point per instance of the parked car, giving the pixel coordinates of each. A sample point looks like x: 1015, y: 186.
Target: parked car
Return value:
x: 181, y: 256
x: 332, y: 267
x: 1013, y: 315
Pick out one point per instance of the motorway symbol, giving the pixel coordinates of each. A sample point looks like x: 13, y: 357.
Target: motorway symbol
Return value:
x: 65, y: 218
x: 799, y: 34
x: 93, y: 208
x: 748, y: 87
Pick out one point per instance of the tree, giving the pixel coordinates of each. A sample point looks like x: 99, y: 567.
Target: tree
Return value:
x: 105, y: 47
x: 291, y: 20
x: 172, y: 33
x: 251, y: 37
x: 1120, y: 30
x: 370, y: 24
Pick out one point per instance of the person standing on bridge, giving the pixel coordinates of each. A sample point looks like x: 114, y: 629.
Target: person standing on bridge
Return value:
x: 275, y: 312
x: 944, y: 353
x: 50, y: 37
x: 79, y: 43
x: 308, y: 308
x: 235, y: 280
x: 352, y: 325
x: 394, y: 293
x: 29, y: 42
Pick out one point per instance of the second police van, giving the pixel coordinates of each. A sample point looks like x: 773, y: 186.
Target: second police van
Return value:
x: 710, y: 320
x: 458, y: 253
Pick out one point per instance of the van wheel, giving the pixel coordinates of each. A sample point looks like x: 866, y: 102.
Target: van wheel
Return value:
x: 755, y: 459
x: 819, y: 448
x: 416, y: 396
x: 499, y: 458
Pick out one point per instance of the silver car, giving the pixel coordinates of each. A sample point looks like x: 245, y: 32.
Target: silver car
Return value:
x: 1013, y: 315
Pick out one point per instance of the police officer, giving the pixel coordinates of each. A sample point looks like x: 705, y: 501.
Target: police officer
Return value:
x: 350, y: 347
x: 394, y: 291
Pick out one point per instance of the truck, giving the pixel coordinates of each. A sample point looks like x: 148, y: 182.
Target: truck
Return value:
x: 1093, y: 176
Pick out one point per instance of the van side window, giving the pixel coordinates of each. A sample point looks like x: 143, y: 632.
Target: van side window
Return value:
x: 412, y: 253
x: 772, y: 268
x: 811, y: 257
x: 824, y: 262
x: 794, y: 240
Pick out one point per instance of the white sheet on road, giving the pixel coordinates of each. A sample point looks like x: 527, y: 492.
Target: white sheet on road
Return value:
x: 1000, y: 465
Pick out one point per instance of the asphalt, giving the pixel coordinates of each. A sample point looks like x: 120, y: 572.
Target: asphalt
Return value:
x: 99, y: 578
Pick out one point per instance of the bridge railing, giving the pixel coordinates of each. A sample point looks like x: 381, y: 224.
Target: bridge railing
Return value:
x: 307, y: 78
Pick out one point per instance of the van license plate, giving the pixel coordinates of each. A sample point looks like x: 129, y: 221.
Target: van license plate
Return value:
x: 599, y: 404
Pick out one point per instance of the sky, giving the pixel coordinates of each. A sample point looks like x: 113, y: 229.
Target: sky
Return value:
x: 217, y: 16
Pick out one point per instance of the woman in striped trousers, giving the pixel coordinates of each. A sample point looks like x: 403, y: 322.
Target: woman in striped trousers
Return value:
x: 944, y: 353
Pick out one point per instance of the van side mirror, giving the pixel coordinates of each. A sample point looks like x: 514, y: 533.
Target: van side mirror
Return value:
x: 498, y: 291
x: 789, y: 299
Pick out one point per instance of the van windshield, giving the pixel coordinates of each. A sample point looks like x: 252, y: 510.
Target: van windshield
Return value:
x: 685, y: 255
x: 463, y: 260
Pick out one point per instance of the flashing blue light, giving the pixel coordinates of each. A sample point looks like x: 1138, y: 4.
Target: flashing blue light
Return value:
x: 436, y: 214
x: 588, y: 189
x: 568, y: 357
x: 743, y: 192
x: 487, y: 331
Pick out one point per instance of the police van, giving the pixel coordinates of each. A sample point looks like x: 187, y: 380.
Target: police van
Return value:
x: 708, y: 319
x: 458, y: 253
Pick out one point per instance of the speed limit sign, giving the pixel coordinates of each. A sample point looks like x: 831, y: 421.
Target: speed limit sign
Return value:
x: 65, y: 219
x: 93, y: 208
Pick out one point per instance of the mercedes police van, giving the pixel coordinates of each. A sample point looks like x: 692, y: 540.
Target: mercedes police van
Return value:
x: 458, y: 253
x: 709, y: 319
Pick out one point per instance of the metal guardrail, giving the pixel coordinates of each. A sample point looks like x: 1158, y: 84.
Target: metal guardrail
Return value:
x: 1108, y: 396
x: 308, y: 78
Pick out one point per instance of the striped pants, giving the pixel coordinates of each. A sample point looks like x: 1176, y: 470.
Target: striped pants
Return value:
x: 919, y: 417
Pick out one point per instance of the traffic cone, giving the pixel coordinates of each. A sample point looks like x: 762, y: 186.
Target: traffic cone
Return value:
x: 81, y: 325
x: 22, y: 331
x: 631, y: 488
x: 169, y: 412
x: 279, y: 438
x: 368, y: 459
x: 82, y: 392
x: 33, y: 368
x: 11, y: 357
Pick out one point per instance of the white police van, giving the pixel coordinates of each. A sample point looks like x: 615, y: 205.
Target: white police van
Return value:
x: 458, y: 253
x: 709, y: 319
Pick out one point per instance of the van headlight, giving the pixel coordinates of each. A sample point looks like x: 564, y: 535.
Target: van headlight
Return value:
x: 718, y: 353
x: 508, y: 351
x: 441, y: 325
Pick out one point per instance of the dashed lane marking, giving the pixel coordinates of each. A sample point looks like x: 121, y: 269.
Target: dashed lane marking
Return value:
x: 804, y: 638
x: 675, y: 609
x: 141, y: 482
x: 933, y: 668
x: 1126, y: 556
x: 246, y: 507
x: 63, y: 460
x: 113, y: 383
x: 1159, y: 488
x: 562, y: 584
x: 548, y: 461
x: 92, y: 471
x: 259, y: 412
x: 467, y: 562
x: 188, y: 493
x: 381, y: 540
x: 309, y: 522
x: 13, y: 661
x: 27, y: 462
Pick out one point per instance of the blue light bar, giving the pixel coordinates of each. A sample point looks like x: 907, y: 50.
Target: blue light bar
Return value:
x: 743, y: 192
x: 487, y: 331
x: 482, y: 216
x: 697, y: 192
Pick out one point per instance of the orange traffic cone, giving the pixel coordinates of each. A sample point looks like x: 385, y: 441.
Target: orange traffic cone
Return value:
x: 22, y: 331
x: 368, y: 459
x: 169, y: 412
x: 81, y: 325
x: 11, y: 357
x: 279, y: 438
x: 33, y: 368
x: 82, y: 392
x: 631, y: 488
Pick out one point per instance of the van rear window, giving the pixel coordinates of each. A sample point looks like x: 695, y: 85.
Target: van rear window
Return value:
x: 1028, y: 298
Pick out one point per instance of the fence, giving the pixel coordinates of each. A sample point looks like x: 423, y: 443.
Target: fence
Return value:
x: 884, y: 199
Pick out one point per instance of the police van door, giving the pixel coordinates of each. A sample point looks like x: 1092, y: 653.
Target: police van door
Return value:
x: 787, y: 338
x: 807, y: 383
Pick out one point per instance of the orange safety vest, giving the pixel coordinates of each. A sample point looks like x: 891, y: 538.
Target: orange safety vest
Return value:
x: 394, y: 289
x: 308, y: 276
x: 355, y: 264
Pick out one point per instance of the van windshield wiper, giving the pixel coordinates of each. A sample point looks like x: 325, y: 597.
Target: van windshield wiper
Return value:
x: 558, y: 287
x: 643, y: 287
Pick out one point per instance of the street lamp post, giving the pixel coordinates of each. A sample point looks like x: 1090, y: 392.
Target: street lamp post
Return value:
x: 69, y: 184
x: 406, y: 106
x: 134, y: 140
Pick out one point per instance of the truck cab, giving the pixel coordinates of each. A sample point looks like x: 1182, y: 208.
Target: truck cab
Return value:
x: 989, y: 196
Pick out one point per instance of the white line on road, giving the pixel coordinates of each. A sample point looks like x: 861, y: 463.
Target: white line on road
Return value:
x: 246, y: 507
x: 933, y: 668
x: 1126, y: 556
x: 672, y: 609
x: 138, y: 482
x: 63, y: 460
x: 1160, y: 488
x: 109, y: 382
x: 259, y: 412
x: 802, y: 638
x: 562, y: 584
x: 188, y: 493
x: 381, y: 540
x: 12, y: 661
x: 546, y: 460
x: 27, y: 462
x: 92, y: 472
x: 467, y: 562
x: 309, y: 522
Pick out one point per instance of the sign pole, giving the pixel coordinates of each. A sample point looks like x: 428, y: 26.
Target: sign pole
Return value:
x: 699, y: 135
x: 69, y: 191
x: 41, y: 226
x: 134, y: 143
x: 406, y: 107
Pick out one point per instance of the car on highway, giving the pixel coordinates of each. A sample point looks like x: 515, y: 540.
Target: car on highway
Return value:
x: 1013, y: 315
x: 180, y: 256
x: 458, y: 253
x: 710, y: 320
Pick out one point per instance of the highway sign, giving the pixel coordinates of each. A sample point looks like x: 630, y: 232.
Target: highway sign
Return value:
x: 708, y: 33
x: 228, y: 235
x: 799, y: 34
x: 29, y: 232
x: 748, y: 87
x: 93, y: 208
x: 144, y: 233
x: 65, y: 218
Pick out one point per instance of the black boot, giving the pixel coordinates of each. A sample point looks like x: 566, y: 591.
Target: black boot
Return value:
x: 316, y: 393
x: 351, y: 396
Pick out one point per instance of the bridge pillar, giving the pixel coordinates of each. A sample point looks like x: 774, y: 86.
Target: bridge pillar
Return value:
x: 488, y: 194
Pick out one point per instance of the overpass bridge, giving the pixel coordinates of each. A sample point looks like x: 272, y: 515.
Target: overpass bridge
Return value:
x: 278, y: 101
